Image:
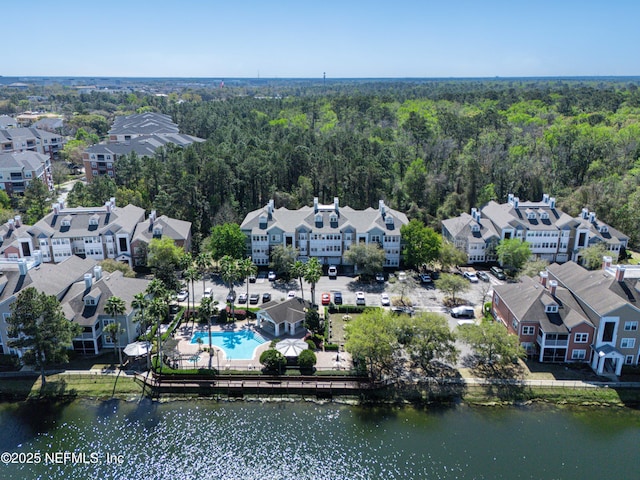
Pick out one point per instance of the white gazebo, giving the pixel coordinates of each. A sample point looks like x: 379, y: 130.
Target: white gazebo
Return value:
x: 291, y: 347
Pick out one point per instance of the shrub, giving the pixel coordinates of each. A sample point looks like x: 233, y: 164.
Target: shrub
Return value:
x: 312, y: 344
x: 273, y: 361
x: 307, y: 360
x: 347, y: 308
x: 331, y: 347
x: 240, y: 314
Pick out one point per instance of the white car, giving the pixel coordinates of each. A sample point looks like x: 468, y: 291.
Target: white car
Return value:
x: 360, y: 298
x: 208, y: 293
x: 271, y: 276
x: 471, y: 276
x: 384, y: 300
x: 182, y: 295
x: 291, y: 294
x: 333, y: 271
x: 402, y: 276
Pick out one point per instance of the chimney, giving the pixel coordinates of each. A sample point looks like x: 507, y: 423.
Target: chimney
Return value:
x: 22, y: 266
x: 585, y: 213
x: 552, y: 202
x: 336, y: 204
x: 88, y: 281
x: 37, y: 257
x: 270, y: 209
x: 552, y: 287
x: 620, y: 273
x: 545, y: 198
x: 97, y: 272
x: 544, y: 277
x: 473, y: 213
x: 56, y: 208
x: 516, y: 202
x: 592, y: 217
x: 152, y: 218
x: 510, y: 199
x: 10, y: 224
x: 112, y: 201
x: 61, y: 204
x: 18, y: 221
x: 606, y: 262
x: 315, y: 204
x: 381, y: 207
x: 107, y: 206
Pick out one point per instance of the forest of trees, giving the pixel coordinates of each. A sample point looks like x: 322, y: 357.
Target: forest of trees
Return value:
x: 430, y: 148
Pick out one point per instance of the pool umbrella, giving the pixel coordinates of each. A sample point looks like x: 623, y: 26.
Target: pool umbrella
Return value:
x: 137, y: 349
x: 291, y: 347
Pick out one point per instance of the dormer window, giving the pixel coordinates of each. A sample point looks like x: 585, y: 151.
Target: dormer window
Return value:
x: 157, y: 231
x: 475, y: 228
x: 333, y: 218
x: 531, y: 215
x: 388, y: 220
x: 318, y: 219
x: 544, y: 216
x: 66, y: 221
x: 94, y: 220
x: 553, y: 308
x: 263, y: 221
x: 604, y: 229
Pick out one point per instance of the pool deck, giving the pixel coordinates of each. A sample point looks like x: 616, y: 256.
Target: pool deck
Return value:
x: 325, y: 360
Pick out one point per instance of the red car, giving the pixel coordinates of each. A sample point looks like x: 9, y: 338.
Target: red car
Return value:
x: 326, y: 298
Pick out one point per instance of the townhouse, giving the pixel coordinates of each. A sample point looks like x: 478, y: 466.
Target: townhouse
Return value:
x: 548, y: 321
x: 323, y: 231
x: 142, y: 133
x: 24, y: 139
x: 553, y: 234
x: 157, y: 227
x: 19, y: 169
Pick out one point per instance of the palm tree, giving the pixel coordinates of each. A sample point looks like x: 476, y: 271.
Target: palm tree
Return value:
x: 312, y: 274
x: 230, y: 273
x: 203, y: 262
x: 158, y: 308
x: 297, y: 271
x: 115, y: 306
x: 191, y: 275
x: 139, y: 303
x: 207, y: 308
x: 113, y: 331
x: 247, y: 268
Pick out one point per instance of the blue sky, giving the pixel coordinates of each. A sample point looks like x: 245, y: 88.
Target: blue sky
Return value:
x: 283, y: 38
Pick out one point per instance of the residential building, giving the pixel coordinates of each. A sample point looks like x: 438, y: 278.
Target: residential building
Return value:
x: 609, y: 298
x: 94, y: 232
x: 323, y: 231
x: 157, y: 227
x: 553, y: 235
x: 24, y: 139
x: 17, y: 170
x: 141, y: 133
x: 547, y: 319
x: 283, y: 317
x: 7, y: 122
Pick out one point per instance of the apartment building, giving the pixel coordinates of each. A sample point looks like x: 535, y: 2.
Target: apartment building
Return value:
x: 157, y: 227
x: 323, y: 231
x: 553, y: 234
x: 24, y: 139
x: 19, y: 169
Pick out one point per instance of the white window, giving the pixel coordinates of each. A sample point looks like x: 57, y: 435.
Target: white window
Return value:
x: 578, y: 354
x: 528, y: 330
x: 630, y: 326
x: 628, y: 343
x: 581, y: 337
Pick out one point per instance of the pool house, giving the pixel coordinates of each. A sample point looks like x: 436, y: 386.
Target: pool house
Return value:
x: 279, y: 318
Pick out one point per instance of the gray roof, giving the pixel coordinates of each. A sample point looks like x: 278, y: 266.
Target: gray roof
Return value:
x: 26, y: 133
x: 598, y: 289
x: 110, y: 285
x: 49, y: 123
x: 506, y: 215
x: 6, y: 121
x: 30, y: 161
x: 290, y: 311
x: 122, y: 219
x: 143, y: 124
x: 143, y: 146
x: 304, y: 218
x: 171, y: 227
x: 460, y: 227
x: 527, y: 301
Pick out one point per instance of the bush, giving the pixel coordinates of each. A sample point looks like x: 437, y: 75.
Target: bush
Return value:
x: 347, y: 308
x: 9, y: 361
x: 273, y: 361
x: 307, y: 360
x: 312, y: 344
x: 331, y: 347
x: 240, y: 314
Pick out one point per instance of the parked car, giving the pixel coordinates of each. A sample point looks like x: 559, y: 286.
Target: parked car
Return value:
x: 242, y: 298
x: 182, y: 296
x: 337, y: 298
x: 266, y: 297
x: 253, y: 298
x: 271, y: 276
x: 408, y: 310
x: 463, y: 312
x: 385, y: 301
x: 231, y: 296
x: 252, y: 279
x: 380, y: 277
x: 326, y: 298
x: 425, y: 278
x: 483, y: 276
x: 498, y: 273
x: 333, y: 271
x: 291, y: 294
x: 471, y: 276
x: 360, y: 298
x: 402, y: 276
x: 208, y: 293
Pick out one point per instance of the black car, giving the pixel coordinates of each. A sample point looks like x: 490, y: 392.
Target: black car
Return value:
x: 266, y: 297
x: 253, y: 298
x: 483, y: 276
x: 498, y: 273
x: 231, y: 296
x: 337, y: 298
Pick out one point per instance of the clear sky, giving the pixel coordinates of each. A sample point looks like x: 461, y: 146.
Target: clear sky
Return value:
x: 301, y: 38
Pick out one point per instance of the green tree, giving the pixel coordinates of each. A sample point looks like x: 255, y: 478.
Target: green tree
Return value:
x: 371, y: 339
x: 513, y: 253
x: 421, y: 244
x: 273, y: 361
x: 450, y: 256
x: 39, y: 326
x: 165, y: 257
x: 230, y: 272
x: 247, y: 268
x: 312, y: 321
x: 427, y: 337
x: 115, y: 307
x: 227, y: 240
x: 110, y: 265
x: 312, y: 273
x: 531, y: 268
x: 203, y: 262
x: 452, y: 285
x: 591, y: 257
x: 367, y: 258
x: 491, y: 342
x: 282, y: 260
x: 208, y: 308
x: 297, y: 271
x: 191, y: 275
x: 139, y: 303
x: 307, y: 360
x: 36, y: 201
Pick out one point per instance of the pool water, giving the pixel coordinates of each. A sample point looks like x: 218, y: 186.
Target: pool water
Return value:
x: 238, y: 345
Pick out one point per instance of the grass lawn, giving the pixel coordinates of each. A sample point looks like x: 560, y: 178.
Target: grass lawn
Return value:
x: 337, y: 326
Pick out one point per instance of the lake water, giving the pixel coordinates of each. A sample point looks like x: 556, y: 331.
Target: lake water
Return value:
x: 245, y: 440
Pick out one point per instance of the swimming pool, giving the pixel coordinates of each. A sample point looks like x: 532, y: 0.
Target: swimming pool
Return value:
x: 237, y: 345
